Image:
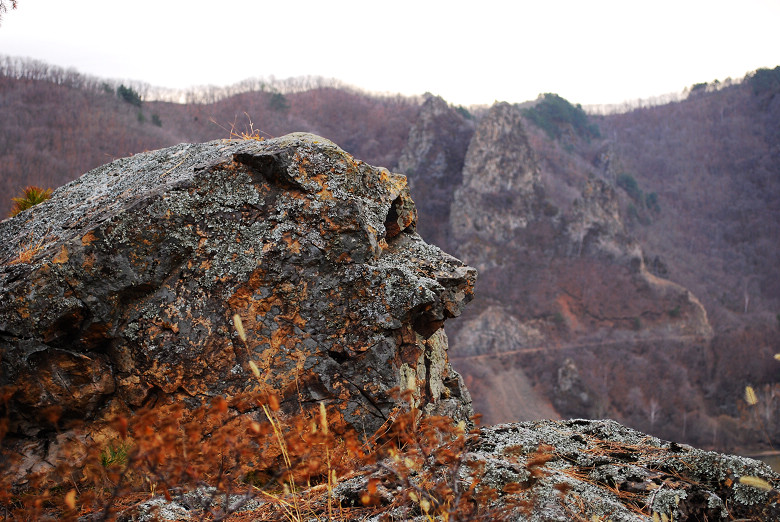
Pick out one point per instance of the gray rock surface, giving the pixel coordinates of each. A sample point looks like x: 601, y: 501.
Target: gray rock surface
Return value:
x: 580, y: 469
x: 587, y: 470
x: 122, y: 289
x: 433, y: 160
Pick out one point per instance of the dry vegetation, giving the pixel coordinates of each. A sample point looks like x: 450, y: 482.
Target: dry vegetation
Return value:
x: 244, y: 460
x: 242, y: 454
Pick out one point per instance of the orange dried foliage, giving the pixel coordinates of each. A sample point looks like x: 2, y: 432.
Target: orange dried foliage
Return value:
x: 247, y: 446
x: 27, y: 252
x: 30, y: 197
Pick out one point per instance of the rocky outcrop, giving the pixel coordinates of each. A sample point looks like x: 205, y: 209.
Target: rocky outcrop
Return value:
x: 127, y: 288
x: 536, y: 471
x: 562, y: 285
x: 500, y: 174
x: 570, y: 272
x: 433, y: 160
x: 600, y: 470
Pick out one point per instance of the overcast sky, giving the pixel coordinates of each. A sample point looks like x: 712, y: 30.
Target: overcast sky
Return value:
x: 476, y: 52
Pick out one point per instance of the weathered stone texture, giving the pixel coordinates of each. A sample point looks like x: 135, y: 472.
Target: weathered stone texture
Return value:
x: 137, y: 269
x: 433, y: 159
x: 601, y: 470
x: 499, y: 173
x: 556, y: 282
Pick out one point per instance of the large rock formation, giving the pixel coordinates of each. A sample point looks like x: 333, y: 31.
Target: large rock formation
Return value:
x: 536, y: 471
x: 537, y: 257
x: 433, y: 159
x: 121, y: 290
x: 561, y: 283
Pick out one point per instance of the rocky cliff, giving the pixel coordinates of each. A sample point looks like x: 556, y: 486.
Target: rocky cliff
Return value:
x: 569, y: 319
x: 127, y: 287
x: 161, y: 290
x: 433, y: 159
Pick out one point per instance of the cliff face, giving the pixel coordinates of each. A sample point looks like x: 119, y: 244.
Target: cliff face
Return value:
x: 183, y: 283
x: 433, y: 159
x: 575, y: 268
x: 562, y: 285
x: 126, y: 289
x: 499, y: 174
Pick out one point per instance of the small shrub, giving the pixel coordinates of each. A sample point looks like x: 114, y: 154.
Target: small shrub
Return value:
x: 156, y: 120
x: 129, y: 95
x: 30, y: 197
x: 278, y: 102
x: 115, y: 454
x: 629, y: 184
x: 675, y: 312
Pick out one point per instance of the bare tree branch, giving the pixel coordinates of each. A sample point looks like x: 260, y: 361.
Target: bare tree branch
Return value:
x: 4, y: 7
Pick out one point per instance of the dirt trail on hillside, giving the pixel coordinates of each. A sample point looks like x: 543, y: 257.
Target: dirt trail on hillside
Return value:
x: 567, y: 346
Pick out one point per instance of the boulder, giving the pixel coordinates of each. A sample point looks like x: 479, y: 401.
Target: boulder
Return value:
x: 536, y: 471
x: 601, y: 470
x: 127, y: 286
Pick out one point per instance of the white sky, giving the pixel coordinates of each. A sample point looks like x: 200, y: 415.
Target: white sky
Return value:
x: 475, y: 52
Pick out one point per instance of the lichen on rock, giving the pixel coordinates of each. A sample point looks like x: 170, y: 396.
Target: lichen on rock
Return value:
x: 142, y: 264
x: 601, y: 470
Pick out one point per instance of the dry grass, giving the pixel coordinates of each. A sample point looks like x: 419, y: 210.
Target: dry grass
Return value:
x: 249, y: 132
x: 30, y: 197
x: 291, y: 464
x: 291, y: 467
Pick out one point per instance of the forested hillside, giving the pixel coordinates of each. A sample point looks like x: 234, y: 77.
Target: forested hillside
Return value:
x: 699, y: 181
x: 56, y: 124
x: 712, y: 164
x: 576, y: 312
x: 692, y: 185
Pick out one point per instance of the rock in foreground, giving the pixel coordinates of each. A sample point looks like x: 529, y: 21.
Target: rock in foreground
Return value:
x: 601, y: 470
x: 538, y: 471
x: 122, y: 290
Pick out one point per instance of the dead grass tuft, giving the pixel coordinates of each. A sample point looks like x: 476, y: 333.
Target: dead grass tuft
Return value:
x: 30, y: 197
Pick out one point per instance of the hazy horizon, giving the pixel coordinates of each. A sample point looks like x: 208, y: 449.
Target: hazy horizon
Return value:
x: 602, y: 52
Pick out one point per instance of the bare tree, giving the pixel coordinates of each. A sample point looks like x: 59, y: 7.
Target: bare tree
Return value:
x: 653, y: 408
x: 4, y: 7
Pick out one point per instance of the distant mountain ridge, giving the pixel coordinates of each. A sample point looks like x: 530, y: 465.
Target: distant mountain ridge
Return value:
x: 593, y: 257
x: 612, y: 280
x: 56, y: 124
